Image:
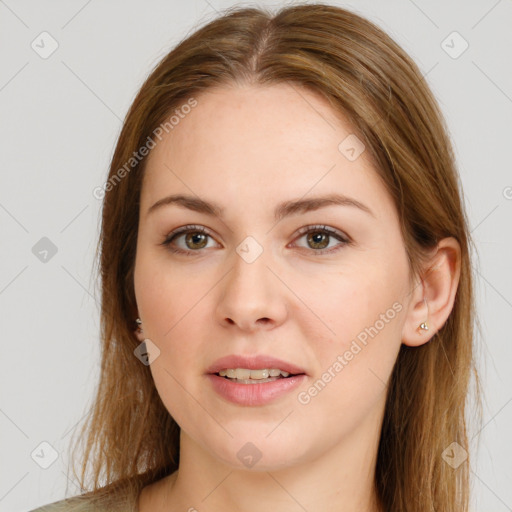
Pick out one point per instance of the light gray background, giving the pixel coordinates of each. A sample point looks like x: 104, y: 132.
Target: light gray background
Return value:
x: 60, y: 117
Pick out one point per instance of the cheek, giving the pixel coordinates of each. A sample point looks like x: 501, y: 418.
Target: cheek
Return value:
x: 353, y: 367
x: 166, y: 296
x: 357, y: 315
x: 177, y: 330
x: 175, y: 317
x: 337, y: 306
x: 170, y: 304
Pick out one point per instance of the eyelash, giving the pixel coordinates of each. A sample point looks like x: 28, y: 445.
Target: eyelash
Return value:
x: 303, y: 231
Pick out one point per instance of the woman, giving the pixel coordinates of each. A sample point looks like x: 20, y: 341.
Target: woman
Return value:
x: 287, y: 301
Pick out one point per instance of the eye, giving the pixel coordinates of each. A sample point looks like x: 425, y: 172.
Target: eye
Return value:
x: 318, y: 239
x: 196, y: 238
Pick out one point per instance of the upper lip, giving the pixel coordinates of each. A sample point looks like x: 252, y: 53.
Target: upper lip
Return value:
x: 254, y: 362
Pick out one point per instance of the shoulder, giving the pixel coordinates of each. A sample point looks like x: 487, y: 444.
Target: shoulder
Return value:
x: 83, y: 504
x: 119, y: 496
x: 75, y: 504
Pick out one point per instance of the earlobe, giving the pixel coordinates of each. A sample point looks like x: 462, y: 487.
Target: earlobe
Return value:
x: 424, y: 325
x: 139, y: 333
x: 433, y: 298
x: 418, y: 328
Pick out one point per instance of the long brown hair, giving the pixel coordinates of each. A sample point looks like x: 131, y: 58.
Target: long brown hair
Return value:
x: 130, y: 440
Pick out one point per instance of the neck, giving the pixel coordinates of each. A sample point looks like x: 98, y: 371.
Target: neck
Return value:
x: 340, y: 478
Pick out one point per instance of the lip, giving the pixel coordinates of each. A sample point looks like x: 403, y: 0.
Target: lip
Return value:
x: 254, y: 362
x: 254, y: 394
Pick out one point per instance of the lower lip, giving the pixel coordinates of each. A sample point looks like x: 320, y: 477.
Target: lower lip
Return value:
x: 254, y: 394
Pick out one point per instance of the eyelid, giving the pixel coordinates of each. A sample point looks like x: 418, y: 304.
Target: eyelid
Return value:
x: 323, y: 227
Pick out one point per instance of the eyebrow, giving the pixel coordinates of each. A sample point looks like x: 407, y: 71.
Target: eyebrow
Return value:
x: 282, y: 210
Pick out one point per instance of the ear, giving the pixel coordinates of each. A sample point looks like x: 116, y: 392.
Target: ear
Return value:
x: 432, y: 298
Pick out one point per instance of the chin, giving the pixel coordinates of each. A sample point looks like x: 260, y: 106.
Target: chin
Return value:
x: 261, y: 453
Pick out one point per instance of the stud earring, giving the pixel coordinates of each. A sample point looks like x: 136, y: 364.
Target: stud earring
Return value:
x: 138, y: 321
x: 423, y: 326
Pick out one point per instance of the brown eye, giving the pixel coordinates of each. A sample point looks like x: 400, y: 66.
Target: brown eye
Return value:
x: 318, y: 239
x: 194, y: 239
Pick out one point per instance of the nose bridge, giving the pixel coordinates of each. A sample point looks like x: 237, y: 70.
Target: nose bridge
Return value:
x: 250, y: 275
x: 251, y: 291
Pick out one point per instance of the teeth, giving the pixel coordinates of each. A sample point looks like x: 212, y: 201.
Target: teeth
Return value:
x: 245, y: 374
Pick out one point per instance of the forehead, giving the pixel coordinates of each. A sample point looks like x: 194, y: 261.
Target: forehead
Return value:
x: 251, y: 145
x: 239, y: 122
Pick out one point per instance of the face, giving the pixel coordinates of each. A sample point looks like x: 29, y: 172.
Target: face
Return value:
x: 322, y: 288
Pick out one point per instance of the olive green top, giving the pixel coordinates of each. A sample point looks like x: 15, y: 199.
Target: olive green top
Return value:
x: 84, y: 504
x: 69, y: 505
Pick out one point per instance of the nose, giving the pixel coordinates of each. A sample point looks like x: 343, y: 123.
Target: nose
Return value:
x: 252, y: 296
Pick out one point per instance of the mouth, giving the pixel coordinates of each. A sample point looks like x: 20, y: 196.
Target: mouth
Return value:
x: 254, y: 376
x: 254, y: 379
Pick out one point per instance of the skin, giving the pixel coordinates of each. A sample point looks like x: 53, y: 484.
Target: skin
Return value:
x: 249, y: 148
